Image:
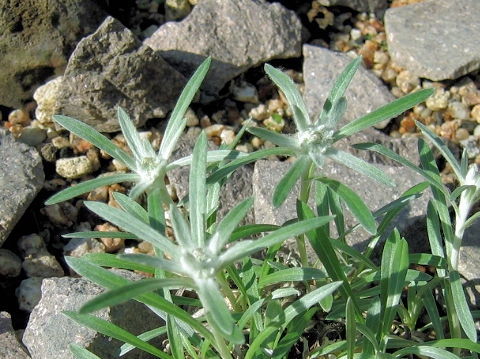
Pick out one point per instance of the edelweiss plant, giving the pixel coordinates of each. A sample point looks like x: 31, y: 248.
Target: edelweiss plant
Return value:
x: 251, y: 308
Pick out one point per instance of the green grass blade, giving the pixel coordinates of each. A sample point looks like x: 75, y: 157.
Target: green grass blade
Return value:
x: 250, y: 230
x: 131, y: 135
x: 212, y: 157
x: 393, y: 273
x: 386, y: 112
x: 245, y: 248
x: 114, y: 331
x: 294, y: 274
x: 125, y: 348
x: 442, y: 147
x: 288, y: 181
x: 197, y: 191
x: 430, y: 352
x: 129, y: 291
x: 359, y: 165
x: 455, y: 343
x: 277, y: 138
x: 152, y: 261
x: 100, y: 234
x: 354, y: 203
x: 227, y: 225
x: 95, y: 138
x: 350, y: 326
x: 285, y: 292
x: 82, y: 353
x: 133, y: 225
x: 432, y: 310
x: 174, y: 338
x: 130, y: 206
x: 427, y: 259
x: 177, y: 123
x: 337, y: 210
x: 156, y: 213
x: 292, y: 94
x: 113, y: 261
x: 461, y: 306
x: 248, y: 314
x: 89, y: 186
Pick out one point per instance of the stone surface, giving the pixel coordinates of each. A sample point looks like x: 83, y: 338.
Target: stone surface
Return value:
x: 42, y: 264
x: 320, y: 70
x: 433, y: 39
x: 73, y: 167
x: 236, y: 189
x: 10, y: 347
x: 21, y: 178
x: 29, y: 293
x: 238, y: 34
x: 112, y: 68
x: 373, y: 194
x: 10, y: 264
x: 377, y: 6
x: 49, y: 332
x: 36, y: 38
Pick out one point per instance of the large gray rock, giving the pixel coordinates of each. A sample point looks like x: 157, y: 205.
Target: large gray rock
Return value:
x: 49, y: 332
x: 36, y: 38
x: 322, y: 67
x: 238, y: 34
x: 433, y: 39
x: 21, y: 178
x: 112, y: 68
x: 377, y: 6
x: 10, y: 347
x: 372, y: 193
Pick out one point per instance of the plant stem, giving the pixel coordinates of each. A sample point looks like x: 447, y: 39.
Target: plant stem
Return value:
x: 220, y: 345
x: 305, y: 187
x: 453, y: 321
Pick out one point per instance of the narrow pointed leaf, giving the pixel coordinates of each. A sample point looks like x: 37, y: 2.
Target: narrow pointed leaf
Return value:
x: 181, y: 228
x: 291, y: 275
x: 359, y: 165
x: 354, y: 203
x: 130, y: 133
x: 114, y: 331
x: 129, y: 291
x: 461, y: 306
x: 245, y: 248
x: 133, y: 225
x: 90, y: 185
x: 250, y: 230
x: 336, y: 114
x: 430, y: 352
x: 197, y: 191
x: 212, y: 157
x: 228, y: 224
x: 177, y: 123
x: 100, y: 234
x: 277, y: 138
x: 386, y: 112
x: 130, y: 206
x: 95, y: 138
x: 442, y: 147
x: 292, y: 94
x: 146, y: 336
x: 82, y: 353
x: 152, y: 261
x: 339, y: 88
x: 350, y: 326
x: 288, y: 181
x: 114, y: 261
x: 174, y: 338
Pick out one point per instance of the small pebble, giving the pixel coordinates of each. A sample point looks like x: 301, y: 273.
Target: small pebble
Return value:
x: 31, y: 244
x: 78, y: 247
x: 62, y: 214
x: 407, y: 81
x: 259, y: 113
x: 10, y: 264
x: 61, y: 142
x: 19, y: 117
x: 476, y: 131
x: 245, y: 92
x: 227, y: 136
x: 42, y: 265
x: 205, y: 121
x: 475, y: 113
x: 192, y: 119
x: 438, y: 101
x: 48, y: 152
x: 32, y: 136
x: 471, y: 145
x: 457, y: 110
x: 380, y: 57
x: 73, y: 167
x: 111, y: 244
x: 99, y: 194
x: 461, y: 134
x: 214, y: 130
x: 29, y: 293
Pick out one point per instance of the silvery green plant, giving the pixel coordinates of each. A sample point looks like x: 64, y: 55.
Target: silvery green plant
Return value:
x: 253, y: 308
x: 148, y: 168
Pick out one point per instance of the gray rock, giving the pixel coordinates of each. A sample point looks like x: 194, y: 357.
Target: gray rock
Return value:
x: 29, y: 293
x: 10, y: 264
x: 73, y: 167
x: 112, y: 68
x: 36, y: 38
x: 373, y: 194
x: 237, y: 188
x: 21, y: 178
x: 10, y: 347
x: 43, y: 265
x: 49, y: 332
x: 433, y: 39
x: 377, y: 6
x: 238, y: 34
x: 468, y: 262
x: 320, y: 70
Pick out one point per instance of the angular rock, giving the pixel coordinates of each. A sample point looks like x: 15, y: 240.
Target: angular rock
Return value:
x: 322, y: 67
x: 21, y: 178
x: 29, y: 293
x: 433, y: 39
x: 49, y: 332
x: 237, y: 188
x: 376, y: 6
x: 36, y: 38
x: 10, y: 347
x: 372, y: 193
x: 238, y: 34
x: 112, y: 68
x: 10, y: 264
